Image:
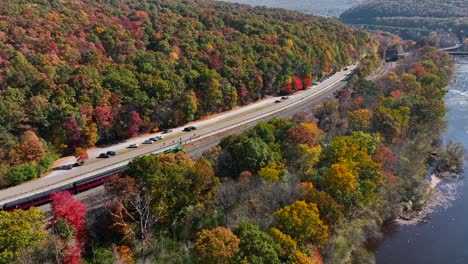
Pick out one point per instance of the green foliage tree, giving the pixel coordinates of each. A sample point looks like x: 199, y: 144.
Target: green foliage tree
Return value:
x: 173, y: 182
x: 391, y: 122
x: 255, y: 246
x: 252, y: 154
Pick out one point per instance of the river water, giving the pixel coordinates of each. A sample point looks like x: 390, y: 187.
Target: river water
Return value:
x: 443, y: 236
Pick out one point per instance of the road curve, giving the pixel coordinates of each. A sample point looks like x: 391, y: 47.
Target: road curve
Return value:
x: 218, y: 126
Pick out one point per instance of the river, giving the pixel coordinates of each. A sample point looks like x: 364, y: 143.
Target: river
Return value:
x: 443, y: 236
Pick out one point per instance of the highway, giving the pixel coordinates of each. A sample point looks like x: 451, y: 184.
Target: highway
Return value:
x: 208, y: 133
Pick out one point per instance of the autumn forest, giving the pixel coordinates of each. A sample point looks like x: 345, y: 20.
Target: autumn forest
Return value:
x: 313, y: 188
x: 76, y: 74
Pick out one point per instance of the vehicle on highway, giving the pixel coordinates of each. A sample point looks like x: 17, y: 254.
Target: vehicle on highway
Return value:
x: 168, y: 130
x: 67, y: 167
x: 148, y: 141
x: 346, y: 68
x: 315, y: 83
x: 284, y: 97
x: 278, y: 101
x: 133, y: 146
x: 156, y: 138
x: 103, y: 156
x: 189, y: 128
x: 111, y: 153
x: 79, y: 163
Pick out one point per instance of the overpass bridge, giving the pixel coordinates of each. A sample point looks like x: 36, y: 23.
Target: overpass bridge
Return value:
x: 458, y: 53
x: 455, y: 50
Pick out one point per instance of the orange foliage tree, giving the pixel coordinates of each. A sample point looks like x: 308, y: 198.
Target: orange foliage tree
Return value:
x: 216, y: 246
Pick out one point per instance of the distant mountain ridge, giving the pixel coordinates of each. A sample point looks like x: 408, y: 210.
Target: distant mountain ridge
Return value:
x: 316, y: 7
x: 420, y: 16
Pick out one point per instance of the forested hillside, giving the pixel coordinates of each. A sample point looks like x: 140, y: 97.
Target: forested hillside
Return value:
x: 412, y: 18
x: 311, y: 189
x: 78, y: 73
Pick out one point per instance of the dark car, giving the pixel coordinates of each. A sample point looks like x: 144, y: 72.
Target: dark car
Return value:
x: 190, y: 128
x: 103, y: 156
x: 278, y: 101
x: 156, y: 138
x: 168, y: 130
x: 285, y: 97
x: 79, y: 163
x: 111, y: 153
x: 68, y: 167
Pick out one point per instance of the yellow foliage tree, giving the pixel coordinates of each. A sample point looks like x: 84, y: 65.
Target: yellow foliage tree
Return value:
x: 287, y: 244
x: 302, y: 221
x: 340, y: 178
x: 300, y: 258
x: 360, y: 120
x: 271, y: 172
x: 21, y: 232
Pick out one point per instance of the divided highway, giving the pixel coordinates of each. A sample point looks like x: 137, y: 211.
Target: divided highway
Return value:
x: 217, y: 126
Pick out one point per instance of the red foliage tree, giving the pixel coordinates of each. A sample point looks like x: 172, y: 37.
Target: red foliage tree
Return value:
x: 72, y: 255
x: 384, y: 155
x: 103, y: 115
x: 306, y: 133
x: 135, y: 123
x: 298, y: 85
x: 308, y: 80
x: 73, y: 132
x: 243, y: 92
x: 288, y: 88
x: 72, y: 211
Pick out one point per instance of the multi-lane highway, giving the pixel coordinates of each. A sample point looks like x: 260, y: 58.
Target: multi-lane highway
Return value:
x: 208, y: 130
